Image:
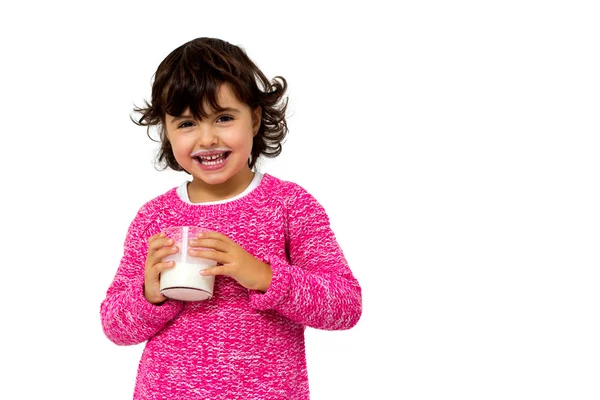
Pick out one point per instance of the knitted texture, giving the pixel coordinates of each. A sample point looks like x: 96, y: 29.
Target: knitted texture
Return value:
x: 241, y: 344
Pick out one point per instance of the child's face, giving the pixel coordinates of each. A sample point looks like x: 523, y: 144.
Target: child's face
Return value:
x: 218, y: 147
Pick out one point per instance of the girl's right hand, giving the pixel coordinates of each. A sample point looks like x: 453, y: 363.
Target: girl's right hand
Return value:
x: 159, y: 247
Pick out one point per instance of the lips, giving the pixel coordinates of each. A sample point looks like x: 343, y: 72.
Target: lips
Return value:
x: 213, y: 158
x: 212, y: 161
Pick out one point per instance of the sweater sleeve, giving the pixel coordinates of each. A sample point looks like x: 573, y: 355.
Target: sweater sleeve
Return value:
x: 127, y: 317
x: 315, y: 287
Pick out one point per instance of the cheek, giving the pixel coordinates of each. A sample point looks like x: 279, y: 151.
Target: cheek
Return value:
x: 240, y: 140
x: 249, y: 137
x: 181, y: 141
x: 246, y: 144
x: 181, y: 148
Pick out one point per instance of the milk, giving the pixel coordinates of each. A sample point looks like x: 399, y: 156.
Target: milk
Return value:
x: 183, y: 281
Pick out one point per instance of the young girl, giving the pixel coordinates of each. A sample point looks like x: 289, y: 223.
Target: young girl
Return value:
x: 279, y: 267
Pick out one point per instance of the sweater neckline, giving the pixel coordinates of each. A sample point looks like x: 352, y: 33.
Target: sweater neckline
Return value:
x: 182, y: 191
x: 177, y: 204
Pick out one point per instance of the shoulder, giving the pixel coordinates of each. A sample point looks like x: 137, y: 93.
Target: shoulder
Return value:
x: 295, y: 197
x: 149, y: 211
x: 289, y: 191
x: 158, y: 203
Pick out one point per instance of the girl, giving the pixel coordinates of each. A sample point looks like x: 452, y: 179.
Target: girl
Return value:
x: 279, y: 267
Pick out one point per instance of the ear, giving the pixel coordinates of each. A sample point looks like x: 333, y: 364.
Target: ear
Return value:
x: 256, y: 119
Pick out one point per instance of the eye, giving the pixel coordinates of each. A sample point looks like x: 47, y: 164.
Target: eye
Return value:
x: 185, y: 124
x: 225, y: 118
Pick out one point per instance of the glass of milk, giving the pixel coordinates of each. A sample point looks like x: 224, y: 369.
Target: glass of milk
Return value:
x: 183, y: 281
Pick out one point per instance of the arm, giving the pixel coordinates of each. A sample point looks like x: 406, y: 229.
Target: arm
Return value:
x: 127, y: 317
x: 315, y: 287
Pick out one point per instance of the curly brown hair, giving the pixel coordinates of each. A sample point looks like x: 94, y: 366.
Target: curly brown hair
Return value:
x: 191, y: 75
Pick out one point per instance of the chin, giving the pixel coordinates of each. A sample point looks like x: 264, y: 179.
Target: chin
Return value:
x: 213, y: 180
x: 220, y: 176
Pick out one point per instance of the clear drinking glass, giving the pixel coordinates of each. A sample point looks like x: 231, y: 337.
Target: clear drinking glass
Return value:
x: 183, y: 281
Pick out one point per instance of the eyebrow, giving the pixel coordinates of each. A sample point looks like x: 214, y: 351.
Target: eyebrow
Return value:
x: 188, y: 116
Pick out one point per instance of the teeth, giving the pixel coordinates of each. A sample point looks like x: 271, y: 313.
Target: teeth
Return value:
x: 213, y: 157
x: 212, y: 160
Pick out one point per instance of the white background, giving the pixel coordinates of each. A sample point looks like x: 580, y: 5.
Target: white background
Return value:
x: 454, y: 145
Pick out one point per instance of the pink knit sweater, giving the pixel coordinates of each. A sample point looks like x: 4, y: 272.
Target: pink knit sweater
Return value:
x: 241, y: 344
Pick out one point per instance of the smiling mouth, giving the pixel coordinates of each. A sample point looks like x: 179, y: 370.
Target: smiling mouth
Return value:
x: 214, y: 159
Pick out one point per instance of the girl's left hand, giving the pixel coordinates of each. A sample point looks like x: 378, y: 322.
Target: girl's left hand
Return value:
x: 233, y: 259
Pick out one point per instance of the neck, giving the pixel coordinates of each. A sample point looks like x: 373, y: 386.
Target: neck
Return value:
x: 200, y: 192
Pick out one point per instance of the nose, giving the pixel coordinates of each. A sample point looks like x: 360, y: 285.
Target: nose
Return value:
x: 206, y: 136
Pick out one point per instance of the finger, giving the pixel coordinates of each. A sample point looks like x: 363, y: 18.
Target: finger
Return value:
x: 163, y: 266
x: 157, y: 236
x: 219, y: 257
x: 219, y: 270
x: 215, y: 244
x: 159, y: 242
x: 163, y: 252
x: 214, y: 235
